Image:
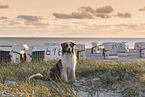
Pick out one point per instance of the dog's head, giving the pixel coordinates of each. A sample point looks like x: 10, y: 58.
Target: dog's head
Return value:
x: 68, y: 47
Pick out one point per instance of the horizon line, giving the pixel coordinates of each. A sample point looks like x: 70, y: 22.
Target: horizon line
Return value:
x: 70, y: 37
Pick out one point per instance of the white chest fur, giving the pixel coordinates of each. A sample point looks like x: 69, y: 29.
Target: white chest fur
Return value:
x: 68, y: 60
x: 68, y: 66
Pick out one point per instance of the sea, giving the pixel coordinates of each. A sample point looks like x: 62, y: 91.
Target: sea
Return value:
x: 87, y: 41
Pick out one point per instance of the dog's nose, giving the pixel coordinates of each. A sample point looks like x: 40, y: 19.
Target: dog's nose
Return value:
x: 68, y: 49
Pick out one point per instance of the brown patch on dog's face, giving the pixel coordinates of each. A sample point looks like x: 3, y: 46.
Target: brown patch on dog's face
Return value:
x: 64, y: 47
x: 73, y: 46
x: 68, y: 47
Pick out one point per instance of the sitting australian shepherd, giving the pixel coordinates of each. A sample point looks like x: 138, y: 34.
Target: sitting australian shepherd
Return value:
x: 65, y: 67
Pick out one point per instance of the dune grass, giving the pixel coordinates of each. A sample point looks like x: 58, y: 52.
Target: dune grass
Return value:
x: 124, y: 77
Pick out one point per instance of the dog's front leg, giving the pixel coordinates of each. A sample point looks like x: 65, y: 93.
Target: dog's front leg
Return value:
x: 73, y: 76
x: 64, y: 75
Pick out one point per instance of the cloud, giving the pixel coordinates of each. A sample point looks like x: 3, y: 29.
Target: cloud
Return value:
x: 87, y: 13
x: 33, y: 20
x: 123, y: 15
x: 87, y: 9
x: 101, y: 15
x: 3, y: 6
x: 102, y: 12
x: 92, y: 28
x: 91, y: 13
x: 38, y: 24
x: 20, y: 21
x: 74, y: 15
x: 3, y: 18
x: 141, y: 9
x: 24, y: 20
x: 105, y: 9
x: 30, y: 18
x: 14, y: 26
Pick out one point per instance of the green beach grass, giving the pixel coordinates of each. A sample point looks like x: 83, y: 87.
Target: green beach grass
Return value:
x: 126, y: 78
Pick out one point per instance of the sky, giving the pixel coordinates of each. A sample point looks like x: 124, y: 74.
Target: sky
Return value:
x: 72, y: 18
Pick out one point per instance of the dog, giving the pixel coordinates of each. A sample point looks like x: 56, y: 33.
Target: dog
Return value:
x: 65, y: 67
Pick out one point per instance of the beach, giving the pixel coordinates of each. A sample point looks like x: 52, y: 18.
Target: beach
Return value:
x: 96, y: 76
x: 132, y: 55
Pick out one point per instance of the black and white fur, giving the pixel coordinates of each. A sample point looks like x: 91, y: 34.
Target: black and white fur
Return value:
x: 68, y: 60
x: 65, y: 67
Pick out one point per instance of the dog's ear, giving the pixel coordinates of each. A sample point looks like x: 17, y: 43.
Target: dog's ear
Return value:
x: 61, y: 44
x: 72, y: 42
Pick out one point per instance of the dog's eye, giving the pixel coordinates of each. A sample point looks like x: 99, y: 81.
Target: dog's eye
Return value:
x: 66, y: 45
x: 71, y: 45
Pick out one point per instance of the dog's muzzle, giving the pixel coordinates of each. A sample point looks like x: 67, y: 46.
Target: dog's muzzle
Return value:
x: 69, y: 50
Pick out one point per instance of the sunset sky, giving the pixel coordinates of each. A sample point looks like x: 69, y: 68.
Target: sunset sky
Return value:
x: 72, y: 18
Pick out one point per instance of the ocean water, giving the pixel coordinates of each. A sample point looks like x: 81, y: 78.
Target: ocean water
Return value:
x: 86, y: 41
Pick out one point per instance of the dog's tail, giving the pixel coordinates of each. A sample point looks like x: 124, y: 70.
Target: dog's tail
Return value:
x: 39, y: 76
